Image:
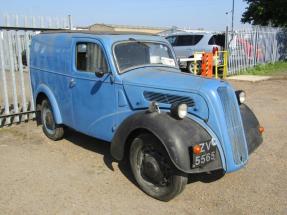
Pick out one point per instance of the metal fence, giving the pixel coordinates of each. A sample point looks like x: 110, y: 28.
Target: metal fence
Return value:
x: 16, y: 101
x: 258, y: 45
x: 248, y: 47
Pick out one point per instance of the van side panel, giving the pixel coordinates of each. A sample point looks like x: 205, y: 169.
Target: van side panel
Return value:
x: 50, y: 66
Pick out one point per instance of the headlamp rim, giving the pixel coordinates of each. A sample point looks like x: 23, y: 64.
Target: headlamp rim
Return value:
x: 174, y: 110
x: 239, y: 96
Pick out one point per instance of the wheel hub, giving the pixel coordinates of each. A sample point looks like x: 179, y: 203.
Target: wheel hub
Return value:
x: 49, y: 120
x: 151, y: 169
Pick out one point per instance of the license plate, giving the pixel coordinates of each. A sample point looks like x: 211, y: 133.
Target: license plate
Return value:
x: 208, y: 154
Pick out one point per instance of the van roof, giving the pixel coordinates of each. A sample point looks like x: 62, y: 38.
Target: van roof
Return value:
x: 107, y: 38
x: 97, y: 32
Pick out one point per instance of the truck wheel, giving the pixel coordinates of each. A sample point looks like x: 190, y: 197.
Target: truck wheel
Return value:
x: 153, y: 170
x: 50, y: 128
x: 190, y: 68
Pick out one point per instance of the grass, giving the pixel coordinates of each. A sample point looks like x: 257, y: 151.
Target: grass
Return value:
x: 268, y: 69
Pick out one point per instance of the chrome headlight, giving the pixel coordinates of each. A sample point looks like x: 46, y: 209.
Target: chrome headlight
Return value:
x: 241, y: 96
x: 178, y: 110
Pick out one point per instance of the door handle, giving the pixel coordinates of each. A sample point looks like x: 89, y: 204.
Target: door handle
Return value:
x: 72, y: 83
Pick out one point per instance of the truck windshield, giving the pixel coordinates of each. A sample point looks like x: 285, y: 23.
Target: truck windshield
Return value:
x: 130, y: 55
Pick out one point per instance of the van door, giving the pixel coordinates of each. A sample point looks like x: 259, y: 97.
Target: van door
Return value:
x: 93, y: 97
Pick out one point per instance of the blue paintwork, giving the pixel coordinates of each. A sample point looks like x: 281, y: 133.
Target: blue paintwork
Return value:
x: 42, y: 88
x: 97, y: 106
x: 217, y: 123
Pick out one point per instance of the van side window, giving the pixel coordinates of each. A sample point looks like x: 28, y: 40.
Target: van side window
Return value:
x: 90, y: 58
x: 218, y: 39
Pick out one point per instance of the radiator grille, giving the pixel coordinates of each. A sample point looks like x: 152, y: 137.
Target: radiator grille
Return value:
x: 168, y: 98
x: 234, y: 125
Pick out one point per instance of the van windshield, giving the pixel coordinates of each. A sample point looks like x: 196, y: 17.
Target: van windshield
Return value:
x: 130, y: 55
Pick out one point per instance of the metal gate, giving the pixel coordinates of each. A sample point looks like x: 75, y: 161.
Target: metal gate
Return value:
x: 16, y: 100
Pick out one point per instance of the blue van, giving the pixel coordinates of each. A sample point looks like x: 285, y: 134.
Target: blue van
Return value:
x: 127, y: 89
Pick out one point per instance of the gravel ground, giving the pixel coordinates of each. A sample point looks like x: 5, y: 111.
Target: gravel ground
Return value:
x: 78, y: 176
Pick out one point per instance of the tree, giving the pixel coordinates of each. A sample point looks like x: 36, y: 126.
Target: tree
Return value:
x: 266, y: 12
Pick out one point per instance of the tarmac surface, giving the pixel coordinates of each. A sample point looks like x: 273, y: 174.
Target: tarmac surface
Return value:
x: 251, y: 78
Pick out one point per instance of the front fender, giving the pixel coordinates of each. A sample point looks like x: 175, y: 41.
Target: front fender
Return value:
x: 177, y: 136
x: 251, y: 128
x: 42, y: 88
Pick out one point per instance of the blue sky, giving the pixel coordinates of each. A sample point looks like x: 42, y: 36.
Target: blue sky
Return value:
x: 207, y: 14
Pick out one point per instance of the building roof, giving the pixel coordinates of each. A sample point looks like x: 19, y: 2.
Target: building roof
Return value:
x: 128, y: 26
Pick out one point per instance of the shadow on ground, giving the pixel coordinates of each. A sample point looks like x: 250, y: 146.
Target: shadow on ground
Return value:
x: 103, y: 147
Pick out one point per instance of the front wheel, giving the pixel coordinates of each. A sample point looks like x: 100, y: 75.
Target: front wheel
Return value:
x: 153, y: 170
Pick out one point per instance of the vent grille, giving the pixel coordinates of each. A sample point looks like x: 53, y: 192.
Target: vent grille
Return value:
x: 168, y: 98
x: 234, y: 125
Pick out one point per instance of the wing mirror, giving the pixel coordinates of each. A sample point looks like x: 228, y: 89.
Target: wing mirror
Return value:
x: 99, y: 72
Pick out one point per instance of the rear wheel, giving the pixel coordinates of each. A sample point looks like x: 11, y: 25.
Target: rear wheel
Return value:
x: 49, y: 126
x: 153, y: 170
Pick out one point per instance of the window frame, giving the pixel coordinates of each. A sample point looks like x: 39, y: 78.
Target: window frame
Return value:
x: 82, y: 41
x: 144, y: 65
x: 175, y: 39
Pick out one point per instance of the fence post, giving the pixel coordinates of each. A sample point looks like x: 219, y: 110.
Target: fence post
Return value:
x: 226, y: 39
x: 274, y: 48
x: 20, y: 70
x: 12, y: 73
x: 255, y: 47
x: 225, y: 64
x: 70, y: 22
x: 32, y: 104
x: 4, y: 80
x: 216, y: 64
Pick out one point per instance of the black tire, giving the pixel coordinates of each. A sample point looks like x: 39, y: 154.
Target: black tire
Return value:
x: 49, y: 126
x: 190, y: 68
x: 153, y: 170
